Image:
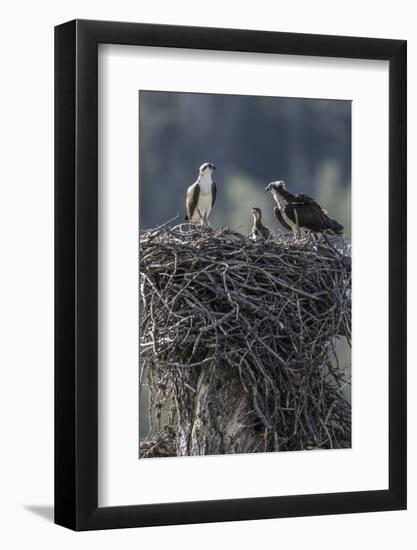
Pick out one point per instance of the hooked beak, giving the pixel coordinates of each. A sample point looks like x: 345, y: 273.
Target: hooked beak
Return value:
x: 268, y: 187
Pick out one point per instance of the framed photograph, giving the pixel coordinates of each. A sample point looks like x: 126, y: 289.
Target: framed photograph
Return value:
x: 230, y: 244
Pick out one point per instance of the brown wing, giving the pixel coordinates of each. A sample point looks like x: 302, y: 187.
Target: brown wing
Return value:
x: 191, y: 200
x: 306, y: 199
x: 213, y: 193
x: 311, y: 216
x: 307, y: 215
x: 265, y: 232
x: 281, y: 220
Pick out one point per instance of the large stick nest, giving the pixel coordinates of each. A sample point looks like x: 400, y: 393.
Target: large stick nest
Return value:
x: 271, y: 312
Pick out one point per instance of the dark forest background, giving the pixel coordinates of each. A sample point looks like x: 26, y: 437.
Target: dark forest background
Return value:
x: 252, y: 141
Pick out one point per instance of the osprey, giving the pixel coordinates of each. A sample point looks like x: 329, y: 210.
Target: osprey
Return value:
x: 300, y: 211
x: 259, y: 231
x: 201, y: 196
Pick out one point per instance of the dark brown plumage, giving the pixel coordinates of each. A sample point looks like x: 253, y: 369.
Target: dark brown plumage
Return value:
x: 281, y: 220
x: 301, y: 211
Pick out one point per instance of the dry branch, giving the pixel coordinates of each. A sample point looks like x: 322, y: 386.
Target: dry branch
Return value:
x: 237, y: 341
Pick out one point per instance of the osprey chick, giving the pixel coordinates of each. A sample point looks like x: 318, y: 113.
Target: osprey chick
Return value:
x: 201, y: 196
x: 300, y: 211
x: 259, y: 231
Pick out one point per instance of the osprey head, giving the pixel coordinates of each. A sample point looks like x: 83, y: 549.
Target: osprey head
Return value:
x: 276, y: 185
x: 256, y: 212
x: 207, y: 167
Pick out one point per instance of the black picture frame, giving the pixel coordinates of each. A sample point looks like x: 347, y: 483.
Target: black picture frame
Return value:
x: 76, y: 272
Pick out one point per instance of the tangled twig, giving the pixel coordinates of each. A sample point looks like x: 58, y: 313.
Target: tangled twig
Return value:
x: 261, y: 319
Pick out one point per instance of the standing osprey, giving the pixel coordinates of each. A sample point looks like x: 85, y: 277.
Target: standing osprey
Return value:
x: 259, y: 231
x: 300, y: 211
x: 201, y: 196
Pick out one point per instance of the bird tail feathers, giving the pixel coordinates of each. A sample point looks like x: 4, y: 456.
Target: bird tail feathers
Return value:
x: 334, y: 226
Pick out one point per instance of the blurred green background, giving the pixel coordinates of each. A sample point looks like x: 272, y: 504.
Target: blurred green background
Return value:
x: 252, y: 141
